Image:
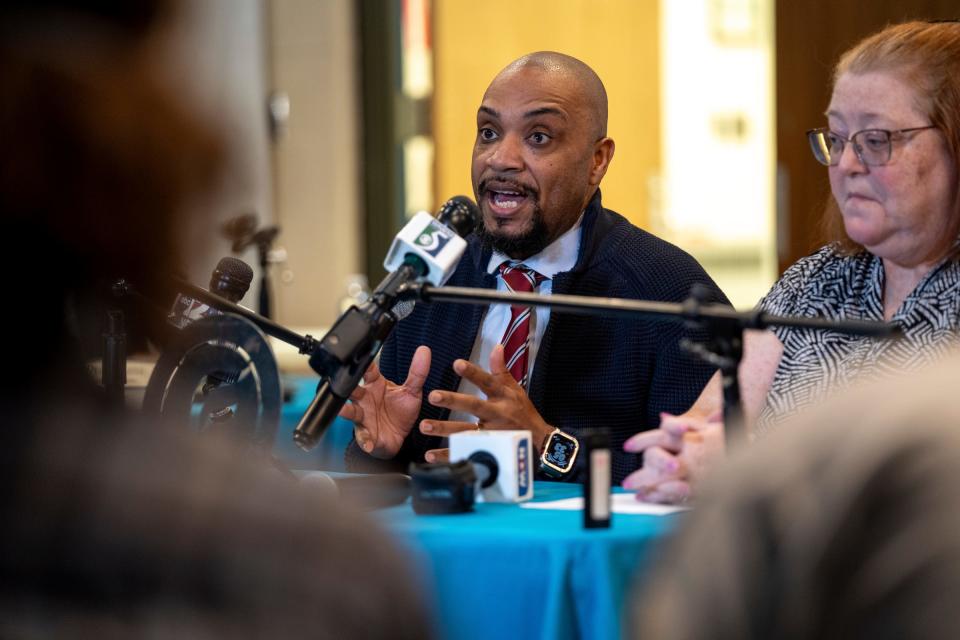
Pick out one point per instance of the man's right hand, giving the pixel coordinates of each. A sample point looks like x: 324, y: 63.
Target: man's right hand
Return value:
x: 383, y: 413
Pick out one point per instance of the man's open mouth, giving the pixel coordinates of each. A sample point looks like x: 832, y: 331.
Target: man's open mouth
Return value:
x: 506, y: 200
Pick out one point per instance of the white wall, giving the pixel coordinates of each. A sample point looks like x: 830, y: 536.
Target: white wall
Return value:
x: 227, y: 57
x: 719, y: 145
x: 317, y: 162
x: 217, y: 54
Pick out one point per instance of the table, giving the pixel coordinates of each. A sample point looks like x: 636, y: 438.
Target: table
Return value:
x: 508, y: 572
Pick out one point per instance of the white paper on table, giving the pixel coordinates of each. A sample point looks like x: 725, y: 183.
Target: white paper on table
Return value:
x: 619, y: 503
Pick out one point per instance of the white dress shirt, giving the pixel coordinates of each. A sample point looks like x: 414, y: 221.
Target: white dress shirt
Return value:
x: 559, y: 256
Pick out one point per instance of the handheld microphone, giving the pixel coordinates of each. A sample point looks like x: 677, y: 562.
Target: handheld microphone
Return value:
x: 490, y: 466
x: 433, y: 246
x: 230, y: 280
x: 424, y: 249
x: 459, y: 213
x: 511, y: 479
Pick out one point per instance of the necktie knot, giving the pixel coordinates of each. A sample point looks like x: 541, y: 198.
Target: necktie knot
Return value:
x: 519, y: 277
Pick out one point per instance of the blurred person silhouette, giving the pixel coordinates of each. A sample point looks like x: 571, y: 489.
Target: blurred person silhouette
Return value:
x: 843, y: 526
x: 891, y: 148
x: 111, y: 526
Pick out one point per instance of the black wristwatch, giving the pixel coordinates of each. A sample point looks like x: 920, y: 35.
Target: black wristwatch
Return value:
x: 558, y: 454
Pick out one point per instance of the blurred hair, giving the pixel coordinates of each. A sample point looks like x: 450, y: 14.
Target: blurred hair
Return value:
x: 925, y: 56
x: 98, y: 167
x: 97, y: 157
x: 132, y: 18
x: 114, y: 526
x: 840, y: 525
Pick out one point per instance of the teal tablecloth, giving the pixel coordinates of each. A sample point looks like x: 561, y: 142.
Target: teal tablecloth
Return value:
x: 508, y: 572
x: 503, y: 571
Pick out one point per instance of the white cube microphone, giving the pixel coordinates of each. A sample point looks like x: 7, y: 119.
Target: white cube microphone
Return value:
x: 513, y: 453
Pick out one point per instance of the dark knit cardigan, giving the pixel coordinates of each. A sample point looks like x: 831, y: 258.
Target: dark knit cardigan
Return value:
x: 590, y: 372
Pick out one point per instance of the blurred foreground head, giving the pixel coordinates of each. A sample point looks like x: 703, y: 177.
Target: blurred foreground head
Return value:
x: 99, y: 161
x: 111, y: 526
x: 842, y: 525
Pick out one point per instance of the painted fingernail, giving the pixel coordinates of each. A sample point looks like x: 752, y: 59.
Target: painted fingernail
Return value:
x: 426, y: 427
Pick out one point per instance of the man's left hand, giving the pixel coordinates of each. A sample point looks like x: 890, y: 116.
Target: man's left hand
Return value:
x: 506, y: 407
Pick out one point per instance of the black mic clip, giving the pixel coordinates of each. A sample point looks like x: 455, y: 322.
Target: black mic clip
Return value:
x: 349, y: 347
x: 451, y: 487
x: 341, y: 358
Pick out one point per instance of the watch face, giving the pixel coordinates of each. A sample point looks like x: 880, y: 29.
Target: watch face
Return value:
x: 560, y: 450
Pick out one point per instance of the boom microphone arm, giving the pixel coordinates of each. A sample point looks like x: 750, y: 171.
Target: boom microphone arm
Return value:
x: 724, y: 350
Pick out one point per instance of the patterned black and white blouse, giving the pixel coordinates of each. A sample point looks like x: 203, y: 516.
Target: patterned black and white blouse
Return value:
x: 835, y: 287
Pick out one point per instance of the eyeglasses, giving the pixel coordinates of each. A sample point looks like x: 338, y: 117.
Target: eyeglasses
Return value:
x: 872, y: 146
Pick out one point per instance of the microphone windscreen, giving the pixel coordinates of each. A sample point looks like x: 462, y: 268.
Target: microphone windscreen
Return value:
x: 402, y: 309
x: 231, y: 279
x: 461, y: 214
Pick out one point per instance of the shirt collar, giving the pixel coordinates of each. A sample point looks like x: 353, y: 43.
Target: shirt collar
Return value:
x: 557, y: 257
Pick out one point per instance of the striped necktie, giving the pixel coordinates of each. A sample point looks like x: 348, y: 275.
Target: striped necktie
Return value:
x: 520, y: 279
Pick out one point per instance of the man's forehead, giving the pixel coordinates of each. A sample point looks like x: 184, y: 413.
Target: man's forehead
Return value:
x: 535, y: 110
x: 532, y: 93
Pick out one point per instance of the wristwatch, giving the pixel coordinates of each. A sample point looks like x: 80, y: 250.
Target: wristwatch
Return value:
x: 558, y: 454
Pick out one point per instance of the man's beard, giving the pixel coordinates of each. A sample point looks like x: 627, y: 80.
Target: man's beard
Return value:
x: 529, y: 243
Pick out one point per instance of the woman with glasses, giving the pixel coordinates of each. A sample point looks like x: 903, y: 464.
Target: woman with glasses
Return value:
x: 892, y: 150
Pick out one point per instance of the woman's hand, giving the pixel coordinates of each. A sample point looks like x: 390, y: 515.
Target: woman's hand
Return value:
x: 676, y: 456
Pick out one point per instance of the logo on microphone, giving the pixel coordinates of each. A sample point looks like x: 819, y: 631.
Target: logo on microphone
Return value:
x: 187, y: 310
x: 433, y: 238
x: 522, y: 473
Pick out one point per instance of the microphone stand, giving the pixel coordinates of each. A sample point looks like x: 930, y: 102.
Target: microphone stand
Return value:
x: 724, y: 349
x: 306, y: 344
x: 113, y: 370
x: 264, y: 239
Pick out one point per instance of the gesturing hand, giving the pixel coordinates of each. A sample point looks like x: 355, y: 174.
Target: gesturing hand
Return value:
x: 383, y: 413
x: 507, y: 405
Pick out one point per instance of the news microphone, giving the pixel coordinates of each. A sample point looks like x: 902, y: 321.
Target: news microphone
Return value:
x: 425, y: 249
x: 459, y: 213
x: 489, y: 466
x: 230, y: 280
x: 511, y: 480
x: 433, y: 246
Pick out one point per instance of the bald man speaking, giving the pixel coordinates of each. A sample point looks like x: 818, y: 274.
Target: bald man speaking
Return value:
x: 541, y: 152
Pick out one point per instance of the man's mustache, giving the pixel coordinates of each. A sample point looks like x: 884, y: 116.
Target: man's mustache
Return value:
x: 506, y: 183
